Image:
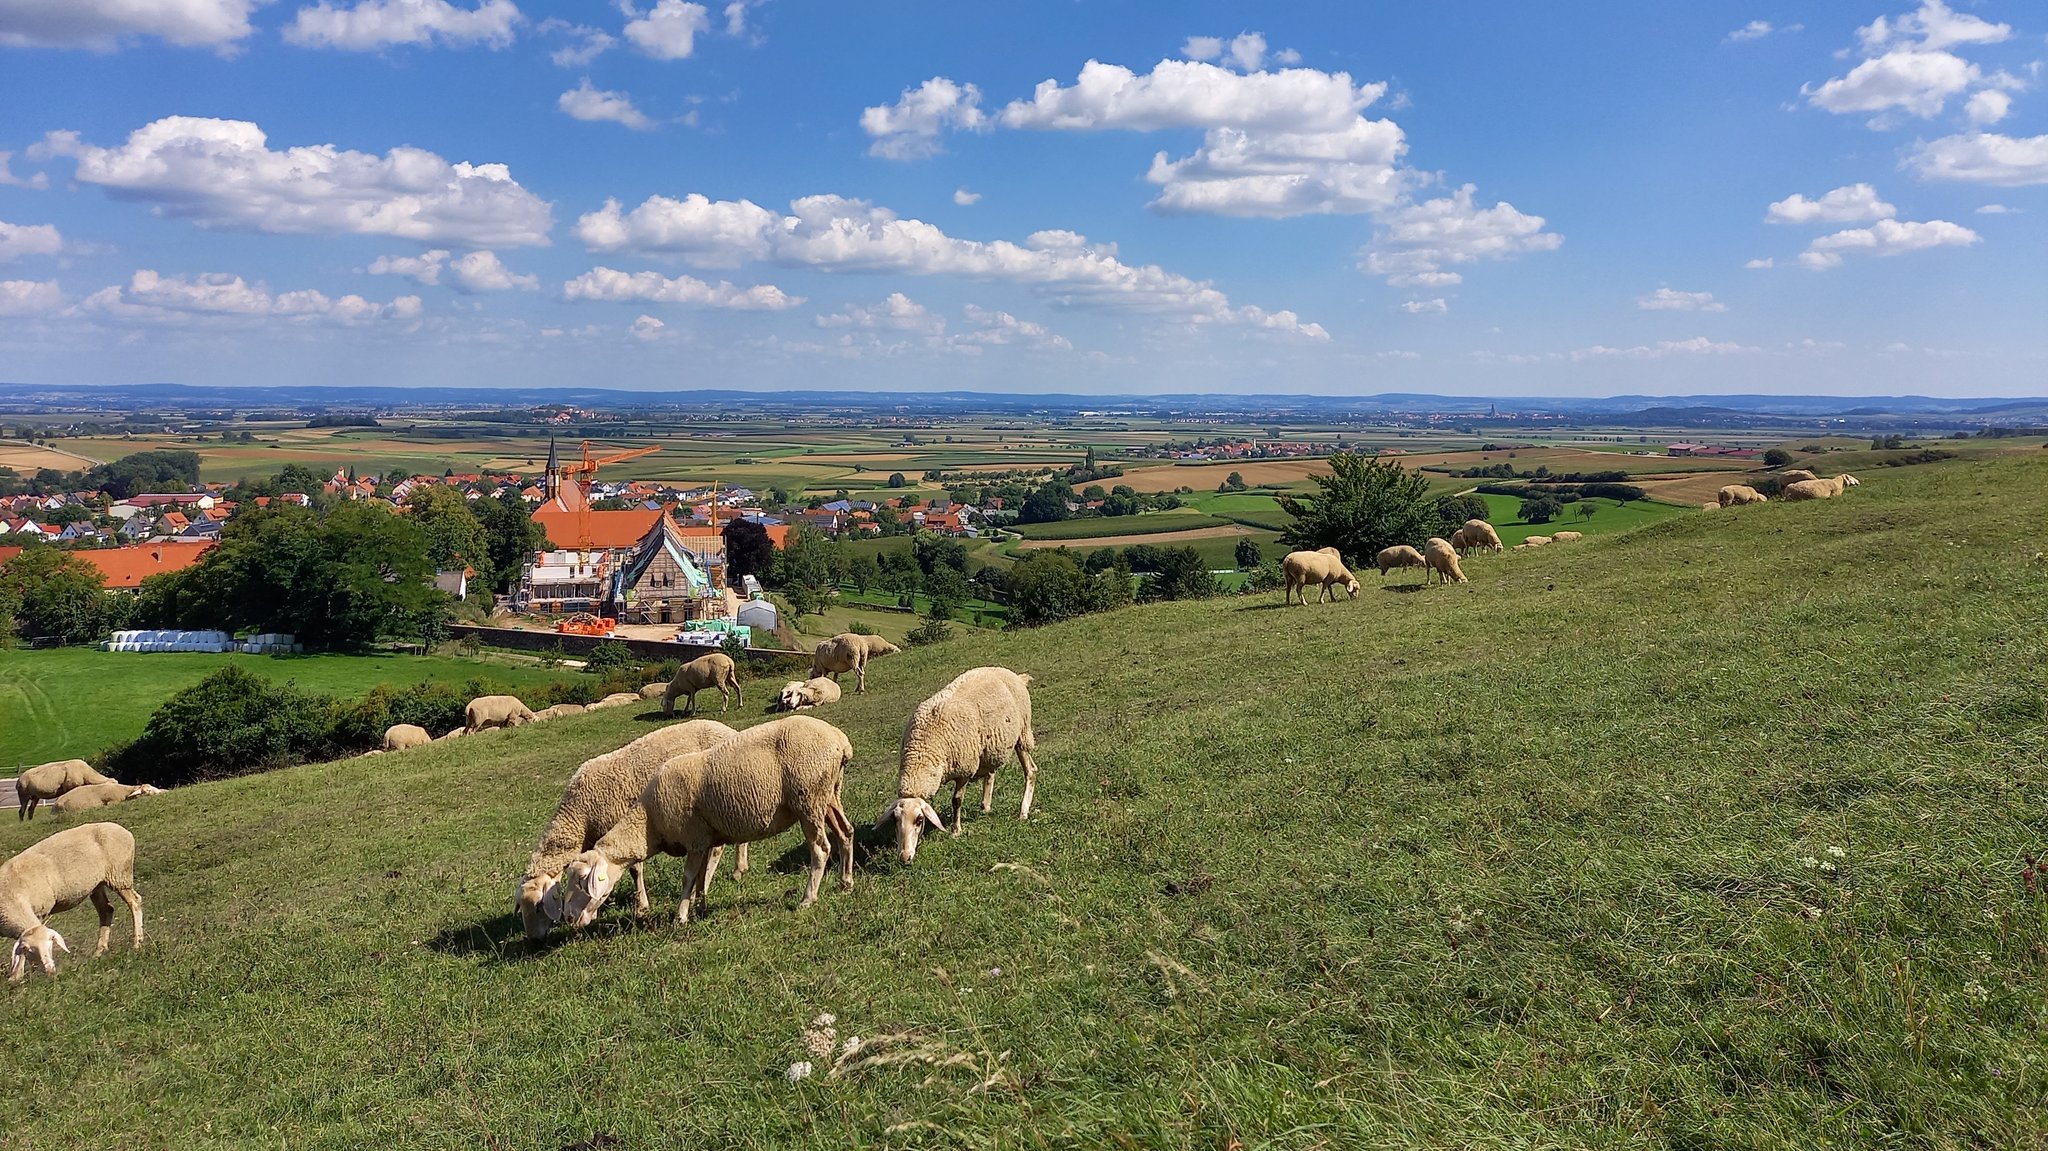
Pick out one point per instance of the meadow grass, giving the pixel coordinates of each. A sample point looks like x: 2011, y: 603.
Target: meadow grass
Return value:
x: 1148, y: 523
x: 1703, y: 835
x: 66, y: 702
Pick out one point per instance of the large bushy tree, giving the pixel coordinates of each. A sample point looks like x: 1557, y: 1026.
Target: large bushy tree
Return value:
x: 748, y: 550
x: 455, y: 537
x: 162, y: 470
x: 1364, y: 505
x: 53, y: 596
x: 511, y: 537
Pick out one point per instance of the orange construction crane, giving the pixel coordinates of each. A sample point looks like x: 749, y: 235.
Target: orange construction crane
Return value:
x: 565, y: 488
x: 587, y: 467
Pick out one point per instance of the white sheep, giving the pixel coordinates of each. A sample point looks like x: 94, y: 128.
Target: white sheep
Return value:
x: 848, y: 651
x: 1323, y: 567
x: 495, y: 711
x: 556, y: 711
x: 1733, y: 495
x: 400, y: 736
x: 1443, y: 560
x: 1821, y: 489
x: 597, y: 795
x: 58, y: 874
x: 1475, y: 534
x: 1566, y: 537
x: 1713, y: 506
x: 615, y: 699
x: 451, y: 733
x: 1400, y: 556
x: 966, y: 731
x: 798, y: 694
x: 1536, y: 541
x: 94, y: 795
x: 50, y: 780
x: 751, y: 786
x: 1793, y: 476
x: 714, y: 670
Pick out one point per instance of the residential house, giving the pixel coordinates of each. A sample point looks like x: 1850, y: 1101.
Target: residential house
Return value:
x: 124, y: 569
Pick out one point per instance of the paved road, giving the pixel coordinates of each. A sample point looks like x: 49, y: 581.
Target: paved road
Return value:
x: 7, y: 797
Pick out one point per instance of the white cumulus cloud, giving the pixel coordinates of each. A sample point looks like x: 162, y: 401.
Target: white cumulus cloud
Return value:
x: 29, y: 297
x: 1414, y: 245
x: 910, y: 128
x: 1193, y: 94
x: 1984, y: 158
x: 8, y: 179
x: 1426, y: 307
x: 999, y: 328
x: 1202, y: 47
x: 18, y: 240
x: 834, y: 233
x: 669, y: 30
x: 896, y: 313
x: 646, y: 328
x: 1933, y: 26
x: 585, y: 42
x: 1667, y: 300
x: 1846, y: 205
x: 584, y: 102
x: 1885, y: 238
x: 1987, y: 107
x: 1754, y: 30
x: 965, y: 198
x: 1761, y: 262
x: 150, y: 295
x: 1279, y: 174
x: 1696, y: 346
x: 476, y: 272
x: 652, y: 287
x: 102, y: 25
x: 370, y: 25
x: 1908, y: 66
x: 222, y: 174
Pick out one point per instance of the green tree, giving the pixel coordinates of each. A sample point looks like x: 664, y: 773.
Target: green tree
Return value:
x: 1178, y: 573
x: 1248, y: 555
x: 1234, y: 482
x: 55, y: 597
x: 948, y: 589
x: 1777, y: 458
x: 162, y: 470
x: 1048, y: 585
x: 1364, y: 505
x: 805, y: 561
x: 455, y: 537
x: 863, y: 573
x: 297, y: 477
x: 1540, y: 510
x: 511, y: 537
x: 935, y: 550
x: 748, y: 550
x: 896, y: 480
x: 1453, y: 511
x: 1046, y: 504
x: 1585, y: 509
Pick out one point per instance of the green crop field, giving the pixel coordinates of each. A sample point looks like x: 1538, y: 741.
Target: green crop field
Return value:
x: 1708, y: 834
x: 1149, y: 523
x: 1257, y: 509
x: 1609, y: 517
x: 74, y: 702
x: 1218, y: 552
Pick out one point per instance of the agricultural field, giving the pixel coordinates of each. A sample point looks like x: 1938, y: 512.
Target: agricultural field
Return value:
x: 26, y: 459
x: 1609, y: 517
x: 1149, y: 523
x: 1697, y: 867
x: 73, y: 702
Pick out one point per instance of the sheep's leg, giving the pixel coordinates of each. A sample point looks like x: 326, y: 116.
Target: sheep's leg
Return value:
x: 1030, y: 780
x: 988, y: 792
x: 843, y: 827
x: 739, y: 870
x: 959, y: 790
x: 105, y: 907
x: 821, y: 854
x: 860, y: 679
x: 134, y: 902
x: 693, y: 876
x: 640, y: 887
x: 738, y: 696
x: 711, y: 869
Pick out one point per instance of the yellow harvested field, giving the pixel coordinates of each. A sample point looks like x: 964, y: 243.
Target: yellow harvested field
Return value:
x: 1205, y: 477
x: 1154, y: 538
x: 27, y: 458
x: 1689, y: 490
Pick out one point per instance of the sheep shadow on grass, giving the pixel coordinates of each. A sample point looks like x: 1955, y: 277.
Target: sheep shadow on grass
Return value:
x: 1405, y: 588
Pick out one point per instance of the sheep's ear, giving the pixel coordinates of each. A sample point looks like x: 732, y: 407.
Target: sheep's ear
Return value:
x: 17, y: 960
x: 551, y: 901
x: 59, y: 941
x: 930, y: 814
x: 888, y: 814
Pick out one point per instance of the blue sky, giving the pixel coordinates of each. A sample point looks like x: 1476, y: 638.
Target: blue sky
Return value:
x: 1084, y: 197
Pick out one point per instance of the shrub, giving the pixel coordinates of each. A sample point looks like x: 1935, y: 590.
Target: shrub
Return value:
x: 230, y: 723
x: 932, y: 630
x: 858, y: 627
x: 607, y: 657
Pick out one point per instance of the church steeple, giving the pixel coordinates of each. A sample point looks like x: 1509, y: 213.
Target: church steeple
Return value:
x: 550, y: 485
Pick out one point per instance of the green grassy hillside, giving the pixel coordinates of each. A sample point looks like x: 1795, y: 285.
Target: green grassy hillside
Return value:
x: 67, y: 702
x: 1704, y: 835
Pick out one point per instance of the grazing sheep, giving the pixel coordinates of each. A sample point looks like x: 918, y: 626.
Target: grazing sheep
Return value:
x: 1821, y: 489
x: 615, y: 699
x: 1536, y: 541
x: 400, y: 736
x: 94, y: 795
x: 1734, y: 494
x: 495, y: 711
x: 50, y: 780
x: 1793, y: 476
x: 1323, y: 568
x: 714, y: 670
x: 452, y: 733
x: 652, y: 690
x: 966, y: 731
x: 798, y: 694
x: 1443, y: 560
x: 557, y: 711
x: 1400, y: 556
x: 1476, y: 534
x: 597, y: 795
x: 58, y: 874
x: 1711, y: 507
x: 748, y: 787
x: 850, y: 652
x: 1567, y: 537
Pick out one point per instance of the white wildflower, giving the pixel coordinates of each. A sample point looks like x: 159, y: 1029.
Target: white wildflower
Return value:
x: 1808, y: 862
x: 851, y: 1047
x: 800, y: 1070
x: 1976, y: 991
x: 1836, y: 851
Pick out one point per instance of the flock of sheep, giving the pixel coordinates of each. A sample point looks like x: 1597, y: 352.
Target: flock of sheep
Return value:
x: 688, y: 789
x: 692, y: 789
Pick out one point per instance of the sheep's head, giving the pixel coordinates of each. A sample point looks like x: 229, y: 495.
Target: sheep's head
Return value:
x: 540, y: 905
x: 145, y: 789
x: 910, y: 815
x: 1849, y: 481
x: 41, y: 941
x: 1351, y: 585
x: 585, y: 884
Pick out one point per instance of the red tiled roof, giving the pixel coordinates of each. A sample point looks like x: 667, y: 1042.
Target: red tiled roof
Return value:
x: 128, y: 567
x: 619, y: 529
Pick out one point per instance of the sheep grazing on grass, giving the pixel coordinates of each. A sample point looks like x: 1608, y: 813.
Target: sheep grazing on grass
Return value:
x: 89, y: 862
x: 1567, y: 537
x: 850, y: 652
x: 1734, y: 494
x: 1793, y: 476
x: 749, y: 787
x: 400, y: 736
x: 598, y: 794
x: 1474, y: 535
x: 714, y: 670
x: 1400, y: 556
x: 1323, y: 568
x: 494, y: 711
x: 653, y: 690
x: 1821, y: 489
x: 965, y: 732
x: 50, y: 780
x: 451, y: 733
x: 798, y: 694
x: 94, y: 795
x: 1443, y: 560
x: 615, y: 699
x: 557, y: 711
x: 1536, y: 541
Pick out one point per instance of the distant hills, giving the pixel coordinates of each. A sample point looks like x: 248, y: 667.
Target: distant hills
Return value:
x: 1635, y: 410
